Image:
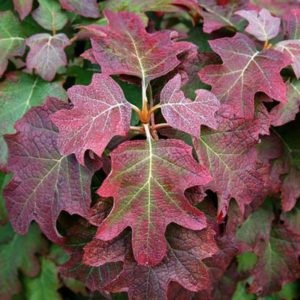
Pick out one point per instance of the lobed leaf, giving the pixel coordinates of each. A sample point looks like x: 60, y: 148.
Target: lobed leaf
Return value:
x: 148, y: 194
x: 12, y: 42
x: 86, y: 8
x: 46, y: 54
x: 262, y: 24
x: 292, y: 49
x: 125, y: 47
x: 184, y: 114
x: 45, y: 182
x: 15, y: 102
x: 230, y: 155
x: 49, y: 15
x: 183, y: 264
x: 286, y: 112
x: 100, y: 112
x: 244, y: 72
x: 277, y: 249
x: 23, y: 7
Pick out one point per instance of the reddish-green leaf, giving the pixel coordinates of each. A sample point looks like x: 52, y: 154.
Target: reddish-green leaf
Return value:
x: 184, y: 114
x: 292, y: 24
x: 45, y: 182
x: 218, y: 16
x: 148, y: 194
x: 277, y: 249
x: 125, y: 47
x: 286, y: 112
x: 46, y: 54
x: 23, y: 7
x: 100, y: 112
x: 229, y: 153
x: 244, y: 72
x: 292, y: 49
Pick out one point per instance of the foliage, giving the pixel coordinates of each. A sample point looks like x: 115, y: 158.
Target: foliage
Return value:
x: 155, y: 147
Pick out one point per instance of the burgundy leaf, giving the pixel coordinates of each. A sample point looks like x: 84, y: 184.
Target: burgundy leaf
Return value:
x: 290, y: 190
x: 94, y: 278
x: 183, y: 264
x: 286, y: 112
x: 125, y: 47
x: 184, y: 114
x: 46, y: 54
x: 44, y: 183
x: 244, y: 72
x: 100, y: 112
x: 148, y: 194
x: 86, y: 8
x: 23, y: 7
x: 229, y: 153
x: 262, y: 24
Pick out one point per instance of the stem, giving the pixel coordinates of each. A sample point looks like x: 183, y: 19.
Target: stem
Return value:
x: 135, y: 108
x: 137, y: 128
x: 159, y: 126
x: 73, y: 39
x: 154, y: 108
x: 147, y: 131
x: 267, y: 45
x: 152, y: 117
x: 144, y: 92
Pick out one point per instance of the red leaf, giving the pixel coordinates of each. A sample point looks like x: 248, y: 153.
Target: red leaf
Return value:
x: 23, y: 7
x: 262, y: 24
x: 125, y: 47
x: 44, y: 183
x: 217, y: 16
x: 230, y: 155
x: 184, y: 114
x: 46, y: 54
x: 183, y: 264
x: 244, y: 72
x: 100, y: 112
x: 149, y: 195
x: 86, y: 8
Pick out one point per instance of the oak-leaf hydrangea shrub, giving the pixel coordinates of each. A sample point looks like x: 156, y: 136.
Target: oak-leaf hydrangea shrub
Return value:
x: 155, y: 145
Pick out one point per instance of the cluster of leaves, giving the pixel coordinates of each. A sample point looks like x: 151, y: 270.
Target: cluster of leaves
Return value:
x: 155, y: 145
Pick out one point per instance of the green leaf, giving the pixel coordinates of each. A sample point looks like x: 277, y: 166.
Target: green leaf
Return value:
x: 4, y: 179
x: 12, y: 42
x: 45, y: 285
x: 49, y: 15
x: 246, y: 261
x: 16, y: 101
x: 241, y: 292
x: 17, y: 253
